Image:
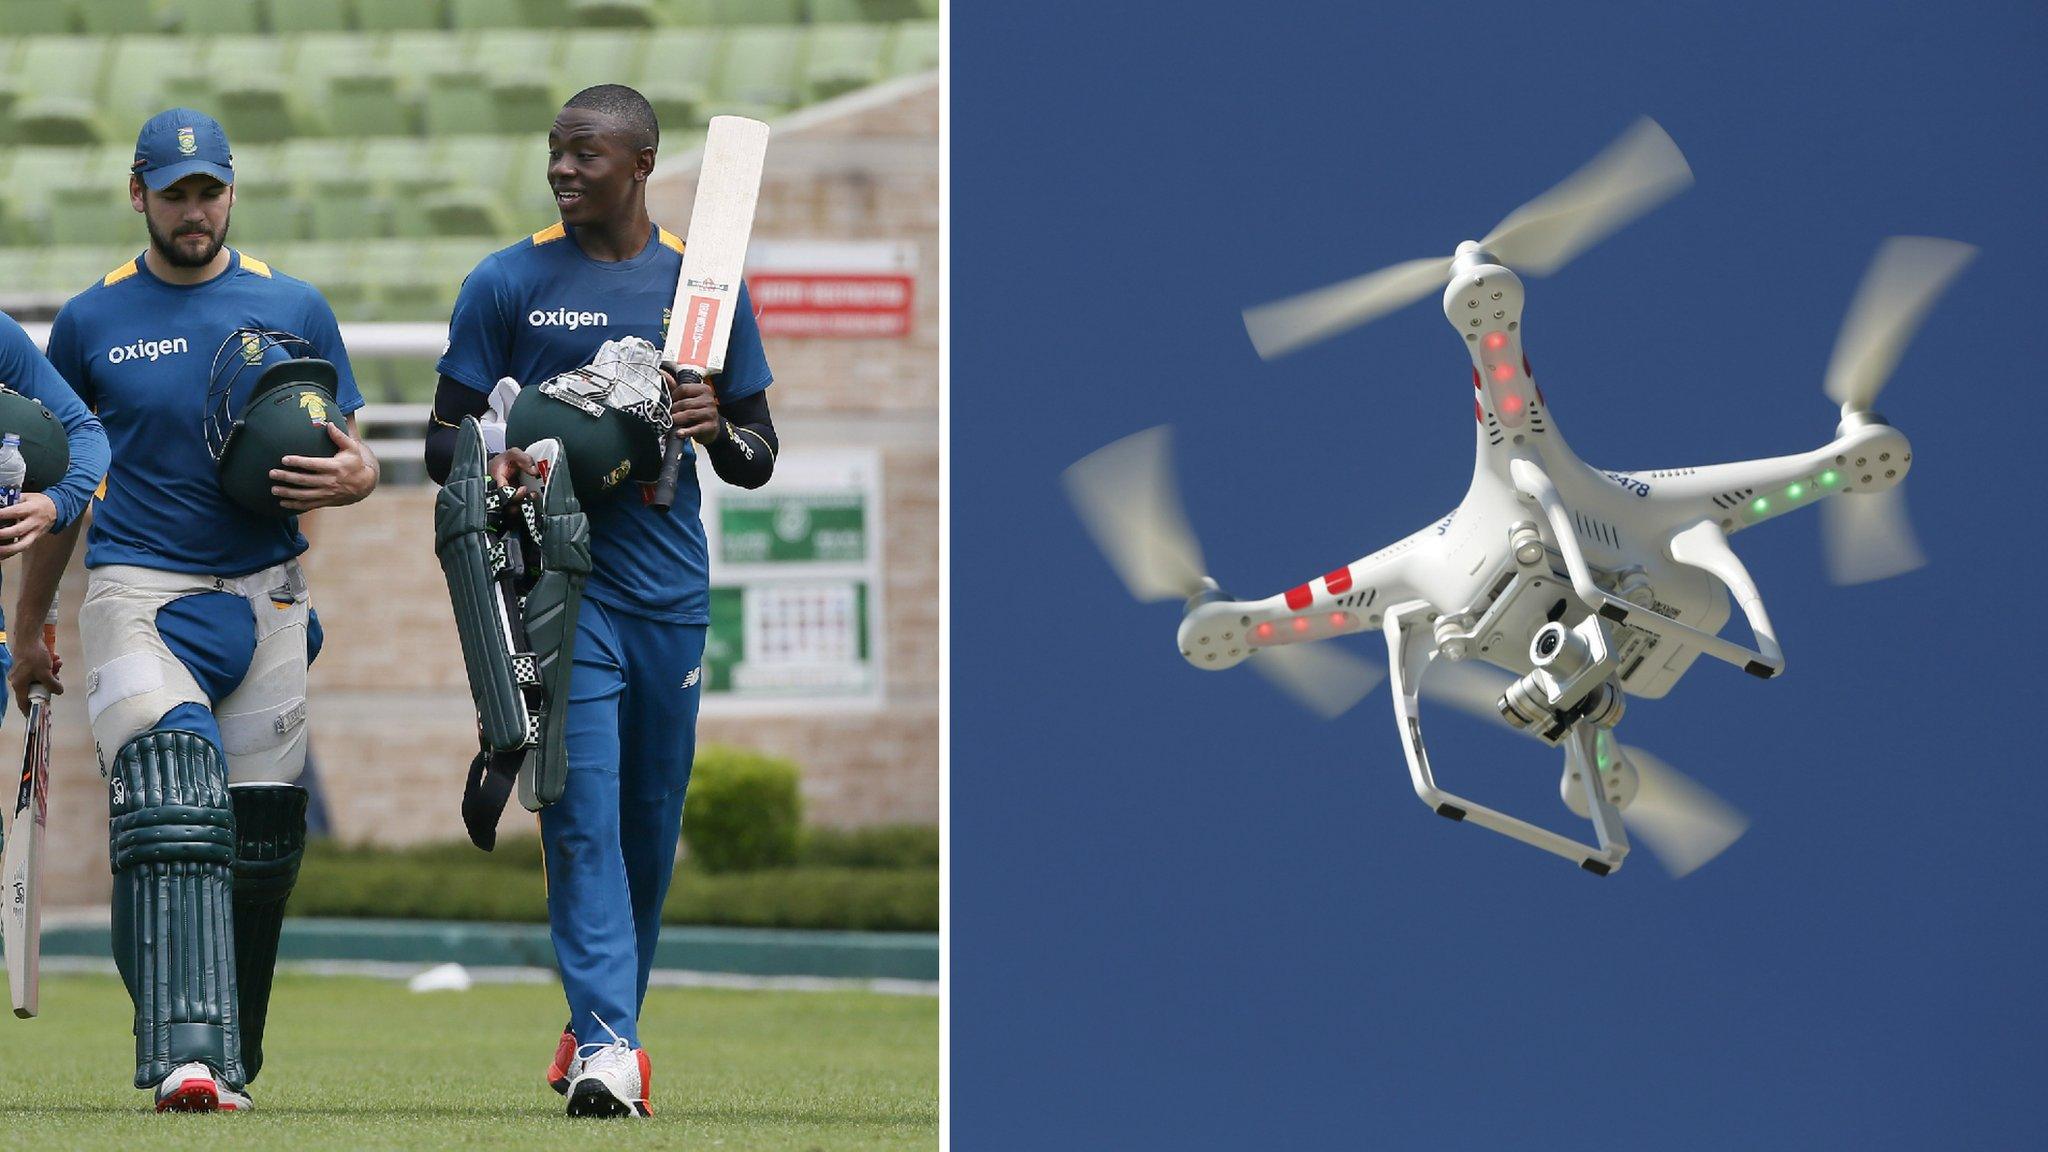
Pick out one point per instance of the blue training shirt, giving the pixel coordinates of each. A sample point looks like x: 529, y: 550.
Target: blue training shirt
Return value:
x: 140, y: 351
x: 23, y: 368
x: 540, y: 308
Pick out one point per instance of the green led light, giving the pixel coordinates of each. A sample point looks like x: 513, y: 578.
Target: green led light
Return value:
x: 1796, y: 491
x: 1760, y: 506
x: 1828, y: 478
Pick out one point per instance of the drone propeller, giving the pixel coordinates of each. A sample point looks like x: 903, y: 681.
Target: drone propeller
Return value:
x: 1683, y: 824
x: 1326, y: 680
x: 1126, y: 495
x: 1903, y: 282
x: 1637, y: 172
x: 1867, y: 534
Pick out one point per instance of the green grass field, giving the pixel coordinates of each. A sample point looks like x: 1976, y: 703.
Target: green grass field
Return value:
x: 360, y: 1063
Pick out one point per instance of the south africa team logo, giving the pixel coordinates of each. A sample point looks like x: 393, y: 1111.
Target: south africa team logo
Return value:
x: 188, y: 142
x: 252, y: 348
x: 316, y: 408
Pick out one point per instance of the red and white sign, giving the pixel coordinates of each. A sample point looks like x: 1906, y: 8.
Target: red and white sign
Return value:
x: 823, y: 288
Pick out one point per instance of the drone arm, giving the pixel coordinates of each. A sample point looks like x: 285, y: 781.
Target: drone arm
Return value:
x: 1865, y: 457
x: 1410, y: 645
x: 1705, y: 546
x: 1533, y: 482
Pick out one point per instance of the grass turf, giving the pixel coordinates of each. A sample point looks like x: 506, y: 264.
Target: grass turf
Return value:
x: 359, y: 1063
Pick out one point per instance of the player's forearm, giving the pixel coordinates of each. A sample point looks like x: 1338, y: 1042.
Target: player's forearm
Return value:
x: 41, y: 568
x: 364, y: 485
x: 90, y: 457
x: 743, y: 452
x: 453, y: 400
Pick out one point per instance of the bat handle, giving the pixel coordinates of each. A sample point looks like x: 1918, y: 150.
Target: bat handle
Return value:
x: 672, y: 456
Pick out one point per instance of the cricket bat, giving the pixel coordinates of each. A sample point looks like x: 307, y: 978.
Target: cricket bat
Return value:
x: 21, y: 917
x: 714, y: 253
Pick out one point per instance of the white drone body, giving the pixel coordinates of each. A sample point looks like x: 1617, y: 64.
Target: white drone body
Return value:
x: 1579, y: 586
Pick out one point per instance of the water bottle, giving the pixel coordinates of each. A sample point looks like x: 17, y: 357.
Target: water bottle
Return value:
x: 13, y: 470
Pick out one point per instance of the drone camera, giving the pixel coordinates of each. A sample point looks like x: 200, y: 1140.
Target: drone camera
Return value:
x: 1560, y: 651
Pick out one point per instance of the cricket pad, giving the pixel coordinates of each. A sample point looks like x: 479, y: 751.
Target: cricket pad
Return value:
x: 550, y: 610
x: 270, y: 840
x: 173, y: 848
x: 476, y: 553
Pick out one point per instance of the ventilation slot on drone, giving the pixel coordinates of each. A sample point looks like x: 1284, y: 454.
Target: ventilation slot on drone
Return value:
x: 1733, y: 499
x: 1597, y: 530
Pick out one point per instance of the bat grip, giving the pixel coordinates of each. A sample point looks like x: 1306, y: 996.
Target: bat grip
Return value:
x: 672, y: 455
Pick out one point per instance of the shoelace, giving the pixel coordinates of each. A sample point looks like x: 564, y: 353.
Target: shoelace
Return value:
x: 617, y: 1044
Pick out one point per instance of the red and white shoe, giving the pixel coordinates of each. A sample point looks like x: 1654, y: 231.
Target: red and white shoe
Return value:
x: 613, y: 1080
x: 196, y: 1088
x: 567, y: 1064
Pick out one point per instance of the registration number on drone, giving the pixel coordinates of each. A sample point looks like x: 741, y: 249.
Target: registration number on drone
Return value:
x: 1629, y: 482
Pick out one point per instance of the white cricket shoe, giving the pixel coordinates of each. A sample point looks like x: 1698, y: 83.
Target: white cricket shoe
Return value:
x: 196, y: 1087
x: 613, y: 1080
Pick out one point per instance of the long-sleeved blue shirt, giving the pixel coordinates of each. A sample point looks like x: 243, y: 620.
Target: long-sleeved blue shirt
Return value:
x: 24, y: 369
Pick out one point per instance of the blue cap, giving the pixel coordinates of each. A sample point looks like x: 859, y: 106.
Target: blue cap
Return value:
x: 175, y: 144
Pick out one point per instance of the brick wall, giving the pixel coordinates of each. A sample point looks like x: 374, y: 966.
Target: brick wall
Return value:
x: 392, y: 728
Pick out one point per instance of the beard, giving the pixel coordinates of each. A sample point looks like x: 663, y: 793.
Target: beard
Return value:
x: 176, y: 258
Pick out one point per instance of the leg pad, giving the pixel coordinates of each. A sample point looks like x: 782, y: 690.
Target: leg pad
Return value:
x: 172, y: 848
x: 270, y: 840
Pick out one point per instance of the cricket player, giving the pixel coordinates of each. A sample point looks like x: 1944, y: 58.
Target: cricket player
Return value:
x: 65, y: 461
x: 197, y: 624
x: 563, y: 299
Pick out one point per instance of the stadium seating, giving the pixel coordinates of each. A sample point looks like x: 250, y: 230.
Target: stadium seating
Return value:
x: 382, y: 147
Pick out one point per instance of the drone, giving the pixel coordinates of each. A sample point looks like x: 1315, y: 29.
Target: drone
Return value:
x: 1555, y: 591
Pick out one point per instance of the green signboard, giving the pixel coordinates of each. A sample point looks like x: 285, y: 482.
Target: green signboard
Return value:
x: 793, y: 529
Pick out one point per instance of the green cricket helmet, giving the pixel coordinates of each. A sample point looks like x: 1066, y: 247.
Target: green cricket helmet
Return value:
x: 44, y: 446
x: 608, y: 432
x: 286, y: 413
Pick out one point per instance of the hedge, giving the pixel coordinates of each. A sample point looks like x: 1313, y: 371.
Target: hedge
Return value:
x: 878, y: 879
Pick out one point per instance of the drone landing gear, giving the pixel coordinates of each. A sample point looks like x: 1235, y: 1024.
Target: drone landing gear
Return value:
x: 1410, y: 646
x: 1702, y: 546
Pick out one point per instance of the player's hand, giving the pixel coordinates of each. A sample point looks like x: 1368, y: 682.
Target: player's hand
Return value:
x: 33, y: 664
x: 304, y: 483
x: 25, y: 522
x: 508, y: 466
x: 693, y: 408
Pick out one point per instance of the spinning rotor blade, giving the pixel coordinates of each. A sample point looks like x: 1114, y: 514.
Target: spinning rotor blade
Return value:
x: 1470, y: 688
x: 1126, y: 495
x: 1637, y: 172
x: 1327, y: 680
x: 1682, y: 823
x: 1868, y: 536
x: 1634, y: 174
x: 1284, y: 325
x: 1907, y: 276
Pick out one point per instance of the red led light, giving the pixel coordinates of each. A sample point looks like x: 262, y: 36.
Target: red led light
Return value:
x: 1336, y: 619
x: 1496, y: 340
x: 1503, y: 372
x: 1265, y: 630
x: 1475, y: 379
x: 1511, y: 403
x: 1301, y: 623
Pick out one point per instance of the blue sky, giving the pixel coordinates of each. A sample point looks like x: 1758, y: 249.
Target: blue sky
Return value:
x: 1186, y: 914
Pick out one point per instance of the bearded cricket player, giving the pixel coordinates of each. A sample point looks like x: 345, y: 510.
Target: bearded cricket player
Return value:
x: 226, y: 395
